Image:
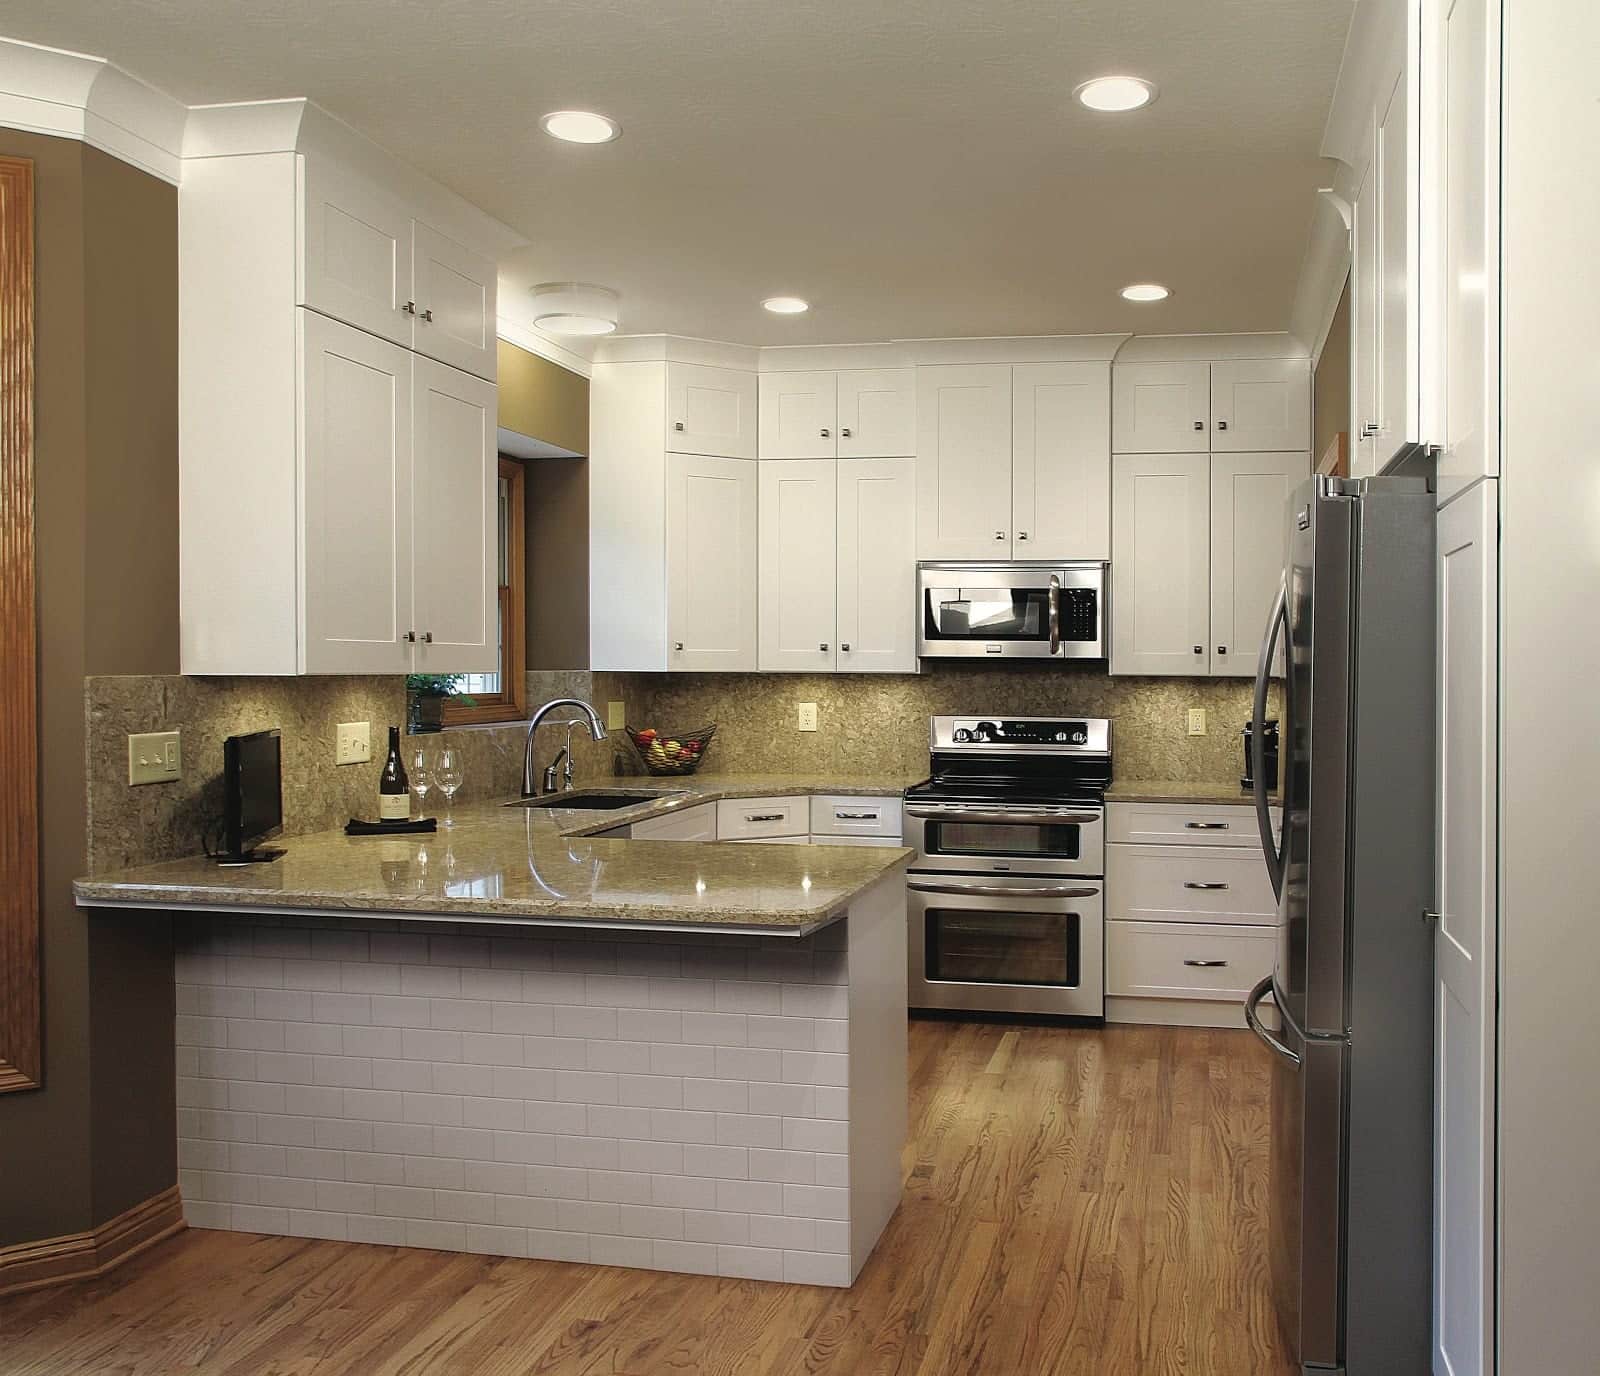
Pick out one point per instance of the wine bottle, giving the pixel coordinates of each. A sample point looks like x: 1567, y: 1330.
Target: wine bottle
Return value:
x: 394, y: 789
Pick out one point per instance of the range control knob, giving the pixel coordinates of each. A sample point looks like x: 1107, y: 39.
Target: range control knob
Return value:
x: 1078, y: 738
x: 1061, y: 735
x: 962, y: 734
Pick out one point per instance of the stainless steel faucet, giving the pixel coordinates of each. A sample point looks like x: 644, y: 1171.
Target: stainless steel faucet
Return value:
x: 588, y: 716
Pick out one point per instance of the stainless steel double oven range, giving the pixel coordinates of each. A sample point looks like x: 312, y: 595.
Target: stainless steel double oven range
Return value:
x: 1006, y: 894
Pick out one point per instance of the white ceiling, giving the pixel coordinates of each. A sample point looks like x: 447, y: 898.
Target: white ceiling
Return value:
x: 915, y: 168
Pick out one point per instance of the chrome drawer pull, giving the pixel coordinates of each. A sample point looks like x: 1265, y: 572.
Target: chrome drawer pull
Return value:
x: 855, y: 816
x: 1207, y: 964
x: 763, y: 816
x: 1206, y: 826
x: 1196, y: 884
x: 1006, y: 890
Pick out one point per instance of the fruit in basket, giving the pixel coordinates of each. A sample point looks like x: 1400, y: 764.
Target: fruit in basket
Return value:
x: 673, y: 749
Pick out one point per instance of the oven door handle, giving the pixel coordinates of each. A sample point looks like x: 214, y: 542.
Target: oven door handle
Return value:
x: 1020, y: 819
x: 1006, y: 890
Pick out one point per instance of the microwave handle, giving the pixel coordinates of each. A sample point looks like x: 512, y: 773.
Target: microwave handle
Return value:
x: 1055, y: 613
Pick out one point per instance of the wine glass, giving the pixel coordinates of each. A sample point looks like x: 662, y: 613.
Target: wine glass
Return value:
x: 421, y: 779
x: 447, y: 775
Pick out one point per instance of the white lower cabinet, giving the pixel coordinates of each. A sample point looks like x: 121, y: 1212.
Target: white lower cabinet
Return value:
x: 762, y: 819
x: 692, y: 824
x: 1190, y: 914
x: 846, y: 815
x: 711, y: 563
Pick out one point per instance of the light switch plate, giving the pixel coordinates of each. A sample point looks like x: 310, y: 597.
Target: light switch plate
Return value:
x: 1197, y: 721
x: 807, y: 716
x: 354, y: 745
x: 616, y: 715
x: 155, y: 758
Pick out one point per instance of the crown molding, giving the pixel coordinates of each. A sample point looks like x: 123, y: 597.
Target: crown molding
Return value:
x: 75, y: 96
x: 1210, y: 348
x: 537, y: 342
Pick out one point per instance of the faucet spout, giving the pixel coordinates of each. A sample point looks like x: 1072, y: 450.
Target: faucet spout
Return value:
x: 586, y: 714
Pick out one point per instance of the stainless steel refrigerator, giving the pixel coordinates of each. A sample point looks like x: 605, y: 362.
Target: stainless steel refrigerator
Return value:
x: 1352, y: 1094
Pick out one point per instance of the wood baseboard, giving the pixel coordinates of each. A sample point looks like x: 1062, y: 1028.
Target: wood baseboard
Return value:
x: 83, y: 1256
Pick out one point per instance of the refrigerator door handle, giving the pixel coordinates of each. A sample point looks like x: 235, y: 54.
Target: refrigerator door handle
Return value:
x: 1252, y: 1015
x: 1277, y: 620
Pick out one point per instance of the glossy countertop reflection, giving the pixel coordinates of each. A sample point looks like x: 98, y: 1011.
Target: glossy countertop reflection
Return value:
x: 500, y: 863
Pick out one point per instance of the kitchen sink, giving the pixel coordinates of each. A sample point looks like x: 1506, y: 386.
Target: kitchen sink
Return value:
x: 591, y: 802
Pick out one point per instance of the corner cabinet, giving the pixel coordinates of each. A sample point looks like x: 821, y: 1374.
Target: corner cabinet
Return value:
x: 337, y: 418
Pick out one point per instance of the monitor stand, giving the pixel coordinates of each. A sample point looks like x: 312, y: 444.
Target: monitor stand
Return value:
x: 261, y: 855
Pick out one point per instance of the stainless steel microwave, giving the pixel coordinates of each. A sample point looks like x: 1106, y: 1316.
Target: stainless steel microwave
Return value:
x: 1029, y: 610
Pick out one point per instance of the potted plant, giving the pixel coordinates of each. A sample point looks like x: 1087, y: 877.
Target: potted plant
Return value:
x: 425, y: 699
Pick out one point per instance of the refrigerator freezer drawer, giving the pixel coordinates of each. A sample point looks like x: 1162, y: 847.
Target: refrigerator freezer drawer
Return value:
x: 1172, y: 960
x: 1188, y: 884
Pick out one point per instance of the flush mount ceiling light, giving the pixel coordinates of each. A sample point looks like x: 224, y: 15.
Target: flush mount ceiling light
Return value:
x: 786, y: 305
x: 1115, y: 94
x: 580, y: 126
x: 574, y: 308
x: 1145, y: 291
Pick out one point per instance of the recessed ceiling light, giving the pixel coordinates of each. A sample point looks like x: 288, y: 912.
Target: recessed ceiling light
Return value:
x: 574, y: 308
x: 1145, y: 291
x: 1115, y: 94
x: 580, y: 126
x: 786, y: 305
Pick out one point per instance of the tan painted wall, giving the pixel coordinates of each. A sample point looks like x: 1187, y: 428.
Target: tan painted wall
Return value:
x: 543, y: 400
x: 1330, y: 395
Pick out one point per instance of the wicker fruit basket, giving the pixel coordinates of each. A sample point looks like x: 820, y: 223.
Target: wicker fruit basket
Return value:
x: 671, y: 752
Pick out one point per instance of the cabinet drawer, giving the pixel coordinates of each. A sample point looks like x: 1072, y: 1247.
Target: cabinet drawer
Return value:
x: 754, y: 819
x: 1188, y: 884
x: 844, y: 816
x: 1171, y: 960
x: 692, y: 824
x: 817, y: 840
x: 1185, y: 824
x: 770, y: 840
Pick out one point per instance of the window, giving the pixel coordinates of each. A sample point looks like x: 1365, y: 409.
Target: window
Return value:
x: 502, y: 695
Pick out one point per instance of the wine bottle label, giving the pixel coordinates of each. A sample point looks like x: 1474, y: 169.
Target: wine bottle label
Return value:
x: 394, y: 807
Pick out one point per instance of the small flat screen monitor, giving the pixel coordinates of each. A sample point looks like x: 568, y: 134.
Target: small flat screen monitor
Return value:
x: 252, y: 791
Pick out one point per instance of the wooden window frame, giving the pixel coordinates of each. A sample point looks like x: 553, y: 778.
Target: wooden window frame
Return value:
x: 511, y: 702
x: 20, y: 1016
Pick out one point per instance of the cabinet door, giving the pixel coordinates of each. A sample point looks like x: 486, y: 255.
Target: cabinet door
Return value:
x: 1160, y: 564
x: 455, y: 295
x: 356, y: 459
x: 1249, y: 538
x: 356, y: 260
x: 1161, y: 408
x: 1364, y: 329
x: 1397, y: 279
x: 877, y: 595
x: 799, y: 504
x: 1061, y: 460
x: 455, y: 526
x: 1466, y: 101
x: 964, y: 461
x: 797, y: 415
x: 877, y: 413
x: 1464, y: 945
x: 711, y: 563
x: 711, y: 411
x: 1261, y: 405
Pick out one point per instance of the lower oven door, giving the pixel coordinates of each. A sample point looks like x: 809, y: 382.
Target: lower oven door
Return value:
x: 1006, y: 946
x: 1004, y: 839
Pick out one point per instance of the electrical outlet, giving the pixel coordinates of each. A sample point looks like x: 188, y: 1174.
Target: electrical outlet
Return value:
x: 155, y: 758
x: 354, y: 745
x: 1197, y: 721
x: 808, y: 716
x: 616, y: 715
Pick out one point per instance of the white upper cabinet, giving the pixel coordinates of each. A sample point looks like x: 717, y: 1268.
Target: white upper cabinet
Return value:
x: 1061, y: 460
x: 1364, y: 305
x: 356, y: 265
x: 1249, y: 533
x: 1160, y: 584
x: 798, y: 415
x: 877, y: 413
x: 877, y: 567
x: 964, y: 461
x: 799, y: 540
x: 455, y: 531
x: 454, y: 302
x: 1261, y: 405
x: 1161, y: 408
x: 1398, y: 287
x: 711, y: 562
x: 357, y: 496
x: 711, y: 411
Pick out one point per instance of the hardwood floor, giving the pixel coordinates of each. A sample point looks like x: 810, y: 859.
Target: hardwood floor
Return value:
x: 1076, y: 1201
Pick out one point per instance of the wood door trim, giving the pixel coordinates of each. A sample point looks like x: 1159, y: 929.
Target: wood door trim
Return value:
x: 20, y: 1032
x: 83, y: 1256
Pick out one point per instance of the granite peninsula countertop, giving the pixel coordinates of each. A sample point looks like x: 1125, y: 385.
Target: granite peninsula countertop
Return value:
x: 503, y: 863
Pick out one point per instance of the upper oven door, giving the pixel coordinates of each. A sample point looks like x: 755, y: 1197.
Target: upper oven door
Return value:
x: 1011, y: 610
x: 968, y: 838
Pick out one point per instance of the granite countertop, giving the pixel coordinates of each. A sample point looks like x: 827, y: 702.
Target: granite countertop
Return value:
x: 500, y: 863
x: 1178, y: 791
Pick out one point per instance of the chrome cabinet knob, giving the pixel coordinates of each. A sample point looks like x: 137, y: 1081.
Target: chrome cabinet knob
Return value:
x: 411, y: 637
x: 677, y: 645
x: 410, y: 308
x: 1222, y: 425
x: 1022, y: 535
x: 845, y: 647
x: 427, y: 637
x: 677, y: 425
x: 999, y: 535
x: 1199, y: 649
x: 824, y: 432
x: 823, y: 647
x: 1199, y: 425
x: 845, y: 431
x: 1222, y: 649
x: 428, y: 316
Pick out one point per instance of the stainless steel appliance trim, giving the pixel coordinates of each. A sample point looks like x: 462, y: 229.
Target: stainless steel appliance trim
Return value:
x: 1009, y: 574
x: 1018, y: 816
x: 1088, y: 864
x: 1055, y: 613
x: 1005, y: 890
x: 1252, y: 1015
x: 1276, y: 620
